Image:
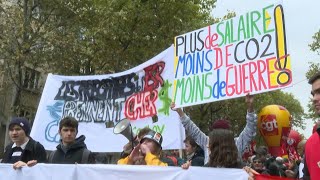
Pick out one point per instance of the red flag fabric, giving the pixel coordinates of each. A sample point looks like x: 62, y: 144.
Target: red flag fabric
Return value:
x: 267, y: 177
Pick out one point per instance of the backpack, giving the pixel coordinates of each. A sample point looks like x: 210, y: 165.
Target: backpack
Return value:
x: 174, y: 160
x: 84, y: 158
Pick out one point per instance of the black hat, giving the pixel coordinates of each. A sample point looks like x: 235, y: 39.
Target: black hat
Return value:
x: 22, y: 122
x: 155, y: 136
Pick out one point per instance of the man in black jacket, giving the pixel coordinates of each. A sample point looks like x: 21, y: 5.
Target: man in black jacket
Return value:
x: 23, y: 150
x: 71, y: 150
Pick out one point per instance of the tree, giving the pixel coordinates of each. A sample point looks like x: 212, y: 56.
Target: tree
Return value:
x: 27, y: 28
x: 112, y: 36
x: 80, y: 37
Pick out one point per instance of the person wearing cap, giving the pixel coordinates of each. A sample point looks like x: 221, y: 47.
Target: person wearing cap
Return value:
x: 202, y: 140
x: 311, y: 168
x: 128, y: 147
x: 147, y: 152
x: 23, y: 151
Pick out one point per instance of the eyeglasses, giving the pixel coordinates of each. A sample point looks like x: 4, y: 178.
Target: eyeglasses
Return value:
x: 257, y: 161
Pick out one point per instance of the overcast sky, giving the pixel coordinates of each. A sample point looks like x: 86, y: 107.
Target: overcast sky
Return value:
x: 302, y: 22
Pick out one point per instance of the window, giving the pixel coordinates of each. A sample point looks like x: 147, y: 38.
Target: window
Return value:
x: 31, y: 78
x: 24, y: 113
x: 27, y: 114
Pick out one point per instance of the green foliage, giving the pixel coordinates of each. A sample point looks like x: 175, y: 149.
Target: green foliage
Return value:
x: 313, y: 68
x: 21, y: 36
x: 118, y: 35
x: 142, y: 29
x: 315, y: 45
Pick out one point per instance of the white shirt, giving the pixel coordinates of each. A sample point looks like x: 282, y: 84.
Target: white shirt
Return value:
x: 23, y: 146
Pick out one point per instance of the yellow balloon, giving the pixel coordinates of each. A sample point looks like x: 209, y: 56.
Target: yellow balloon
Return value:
x: 274, y: 126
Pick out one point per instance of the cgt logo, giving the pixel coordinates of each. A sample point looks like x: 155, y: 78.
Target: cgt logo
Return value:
x: 269, y: 125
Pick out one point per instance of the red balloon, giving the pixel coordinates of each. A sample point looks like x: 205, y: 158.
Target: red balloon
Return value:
x: 294, y: 138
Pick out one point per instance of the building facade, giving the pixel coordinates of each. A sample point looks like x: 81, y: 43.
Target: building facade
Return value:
x: 30, y: 93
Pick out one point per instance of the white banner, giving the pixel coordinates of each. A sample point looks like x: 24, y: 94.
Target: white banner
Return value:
x: 229, y: 59
x: 142, y: 94
x: 116, y: 172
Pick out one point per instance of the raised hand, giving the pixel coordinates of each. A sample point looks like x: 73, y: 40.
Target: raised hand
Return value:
x: 251, y: 172
x: 290, y: 174
x: 135, y: 154
x: 249, y: 101
x: 144, y: 148
x: 186, y: 165
x: 178, y: 110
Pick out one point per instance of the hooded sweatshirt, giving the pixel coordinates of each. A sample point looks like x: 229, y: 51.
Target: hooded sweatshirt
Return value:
x: 70, y: 154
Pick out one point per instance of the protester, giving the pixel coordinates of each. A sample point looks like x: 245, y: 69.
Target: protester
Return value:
x: 250, y: 160
x: 274, y: 167
x: 312, y: 147
x: 202, y: 140
x: 147, y: 152
x: 249, y: 151
x: 292, y: 170
x: 168, y: 158
x: 300, y: 147
x: 71, y: 150
x: 257, y: 165
x: 222, y: 150
x: 128, y: 147
x: 262, y: 154
x: 300, y: 150
x: 194, y: 152
x: 23, y: 151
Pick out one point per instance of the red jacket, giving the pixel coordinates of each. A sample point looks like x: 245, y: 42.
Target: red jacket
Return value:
x: 312, y: 157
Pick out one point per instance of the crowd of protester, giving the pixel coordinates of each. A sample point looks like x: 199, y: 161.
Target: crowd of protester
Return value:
x: 220, y: 149
x: 264, y: 163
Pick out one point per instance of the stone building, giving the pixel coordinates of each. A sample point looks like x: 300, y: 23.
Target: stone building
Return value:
x: 29, y: 98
